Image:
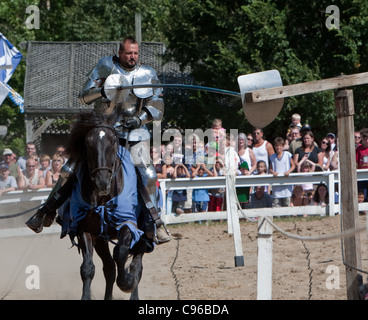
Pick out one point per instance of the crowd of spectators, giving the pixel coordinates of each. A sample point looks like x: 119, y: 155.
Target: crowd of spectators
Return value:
x: 297, y: 151
x: 31, y: 172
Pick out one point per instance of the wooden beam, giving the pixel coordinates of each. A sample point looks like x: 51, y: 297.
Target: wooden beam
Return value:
x: 307, y: 87
x: 344, y: 105
x: 45, y: 112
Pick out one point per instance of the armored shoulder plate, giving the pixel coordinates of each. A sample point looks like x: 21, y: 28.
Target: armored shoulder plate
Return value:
x: 103, y: 68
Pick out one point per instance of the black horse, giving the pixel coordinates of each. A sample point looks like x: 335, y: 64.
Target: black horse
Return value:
x: 93, y: 147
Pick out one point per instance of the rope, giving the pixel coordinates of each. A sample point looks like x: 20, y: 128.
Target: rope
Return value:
x: 308, y: 258
x: 172, y: 267
x: 19, y: 214
x: 343, y: 234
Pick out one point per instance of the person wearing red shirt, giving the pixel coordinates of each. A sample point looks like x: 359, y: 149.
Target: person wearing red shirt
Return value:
x: 362, y: 160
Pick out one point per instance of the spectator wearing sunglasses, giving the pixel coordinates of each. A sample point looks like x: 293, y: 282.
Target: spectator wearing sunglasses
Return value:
x: 53, y: 175
x: 327, y: 153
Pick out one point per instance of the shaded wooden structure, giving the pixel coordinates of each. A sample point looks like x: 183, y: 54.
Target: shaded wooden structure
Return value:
x: 55, y: 73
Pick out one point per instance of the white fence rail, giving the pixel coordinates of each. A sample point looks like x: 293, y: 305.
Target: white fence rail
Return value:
x: 329, y: 178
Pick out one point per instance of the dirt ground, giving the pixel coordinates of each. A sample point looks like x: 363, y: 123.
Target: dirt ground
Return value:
x: 198, y: 264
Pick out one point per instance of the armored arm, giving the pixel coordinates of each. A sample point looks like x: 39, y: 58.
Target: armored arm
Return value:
x: 153, y: 107
x: 93, y: 89
x: 90, y: 92
x: 152, y: 111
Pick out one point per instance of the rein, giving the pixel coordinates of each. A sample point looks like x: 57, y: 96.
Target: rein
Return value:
x: 113, y: 171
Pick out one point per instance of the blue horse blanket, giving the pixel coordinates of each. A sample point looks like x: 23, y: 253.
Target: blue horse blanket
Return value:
x: 123, y: 209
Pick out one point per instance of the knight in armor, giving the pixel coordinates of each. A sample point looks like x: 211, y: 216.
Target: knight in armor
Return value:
x: 136, y: 107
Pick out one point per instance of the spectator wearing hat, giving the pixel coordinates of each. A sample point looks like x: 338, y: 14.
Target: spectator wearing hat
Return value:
x: 8, y: 157
x: 332, y: 138
x: 7, y: 182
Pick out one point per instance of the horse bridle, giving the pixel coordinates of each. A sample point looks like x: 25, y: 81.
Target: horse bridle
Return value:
x: 111, y: 170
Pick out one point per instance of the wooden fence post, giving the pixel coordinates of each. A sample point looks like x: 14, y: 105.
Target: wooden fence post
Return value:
x: 232, y: 208
x: 344, y: 105
x: 264, y: 264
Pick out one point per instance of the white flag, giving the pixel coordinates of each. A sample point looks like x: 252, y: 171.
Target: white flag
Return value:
x: 4, y: 90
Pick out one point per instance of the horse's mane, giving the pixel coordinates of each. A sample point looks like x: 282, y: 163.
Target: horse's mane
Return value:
x: 85, y: 121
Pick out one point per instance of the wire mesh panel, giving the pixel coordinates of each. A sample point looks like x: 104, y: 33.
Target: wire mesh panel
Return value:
x: 56, y: 71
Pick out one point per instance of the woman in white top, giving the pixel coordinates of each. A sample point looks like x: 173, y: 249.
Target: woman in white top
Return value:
x: 327, y: 153
x: 246, y: 154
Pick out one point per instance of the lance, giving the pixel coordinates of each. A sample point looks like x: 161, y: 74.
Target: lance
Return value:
x: 116, y: 82
x: 181, y: 86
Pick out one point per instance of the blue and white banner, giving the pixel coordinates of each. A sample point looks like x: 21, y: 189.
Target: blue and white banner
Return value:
x: 4, y: 91
x: 9, y: 59
x: 15, y: 97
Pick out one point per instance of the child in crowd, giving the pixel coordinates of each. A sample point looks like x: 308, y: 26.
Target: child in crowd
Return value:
x: 281, y: 163
x: 217, y: 195
x: 306, y: 165
x: 200, y: 197
x: 296, y: 120
x: 262, y: 169
x: 361, y: 200
x: 218, y: 131
x: 179, y: 196
x: 298, y: 198
x: 167, y: 173
x: 168, y: 166
x: 243, y: 192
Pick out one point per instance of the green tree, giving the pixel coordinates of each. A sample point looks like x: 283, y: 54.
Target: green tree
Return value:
x: 221, y: 40
x: 67, y: 20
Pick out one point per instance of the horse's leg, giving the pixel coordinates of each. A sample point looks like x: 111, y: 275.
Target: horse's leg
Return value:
x: 87, y: 269
x: 102, y: 249
x: 121, y: 253
x: 128, y: 281
x: 136, y: 270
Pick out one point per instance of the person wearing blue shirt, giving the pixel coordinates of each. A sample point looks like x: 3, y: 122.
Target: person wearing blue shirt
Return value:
x: 200, y: 197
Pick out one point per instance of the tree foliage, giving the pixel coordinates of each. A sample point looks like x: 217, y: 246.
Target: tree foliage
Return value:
x: 219, y: 40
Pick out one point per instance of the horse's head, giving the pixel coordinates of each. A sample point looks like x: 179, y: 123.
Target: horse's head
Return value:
x: 101, y: 146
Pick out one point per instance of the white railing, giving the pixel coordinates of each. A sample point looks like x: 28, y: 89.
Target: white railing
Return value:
x: 329, y: 178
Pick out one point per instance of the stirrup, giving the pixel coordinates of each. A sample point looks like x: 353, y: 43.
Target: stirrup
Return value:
x: 35, y: 223
x: 49, y: 218
x: 162, y: 235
